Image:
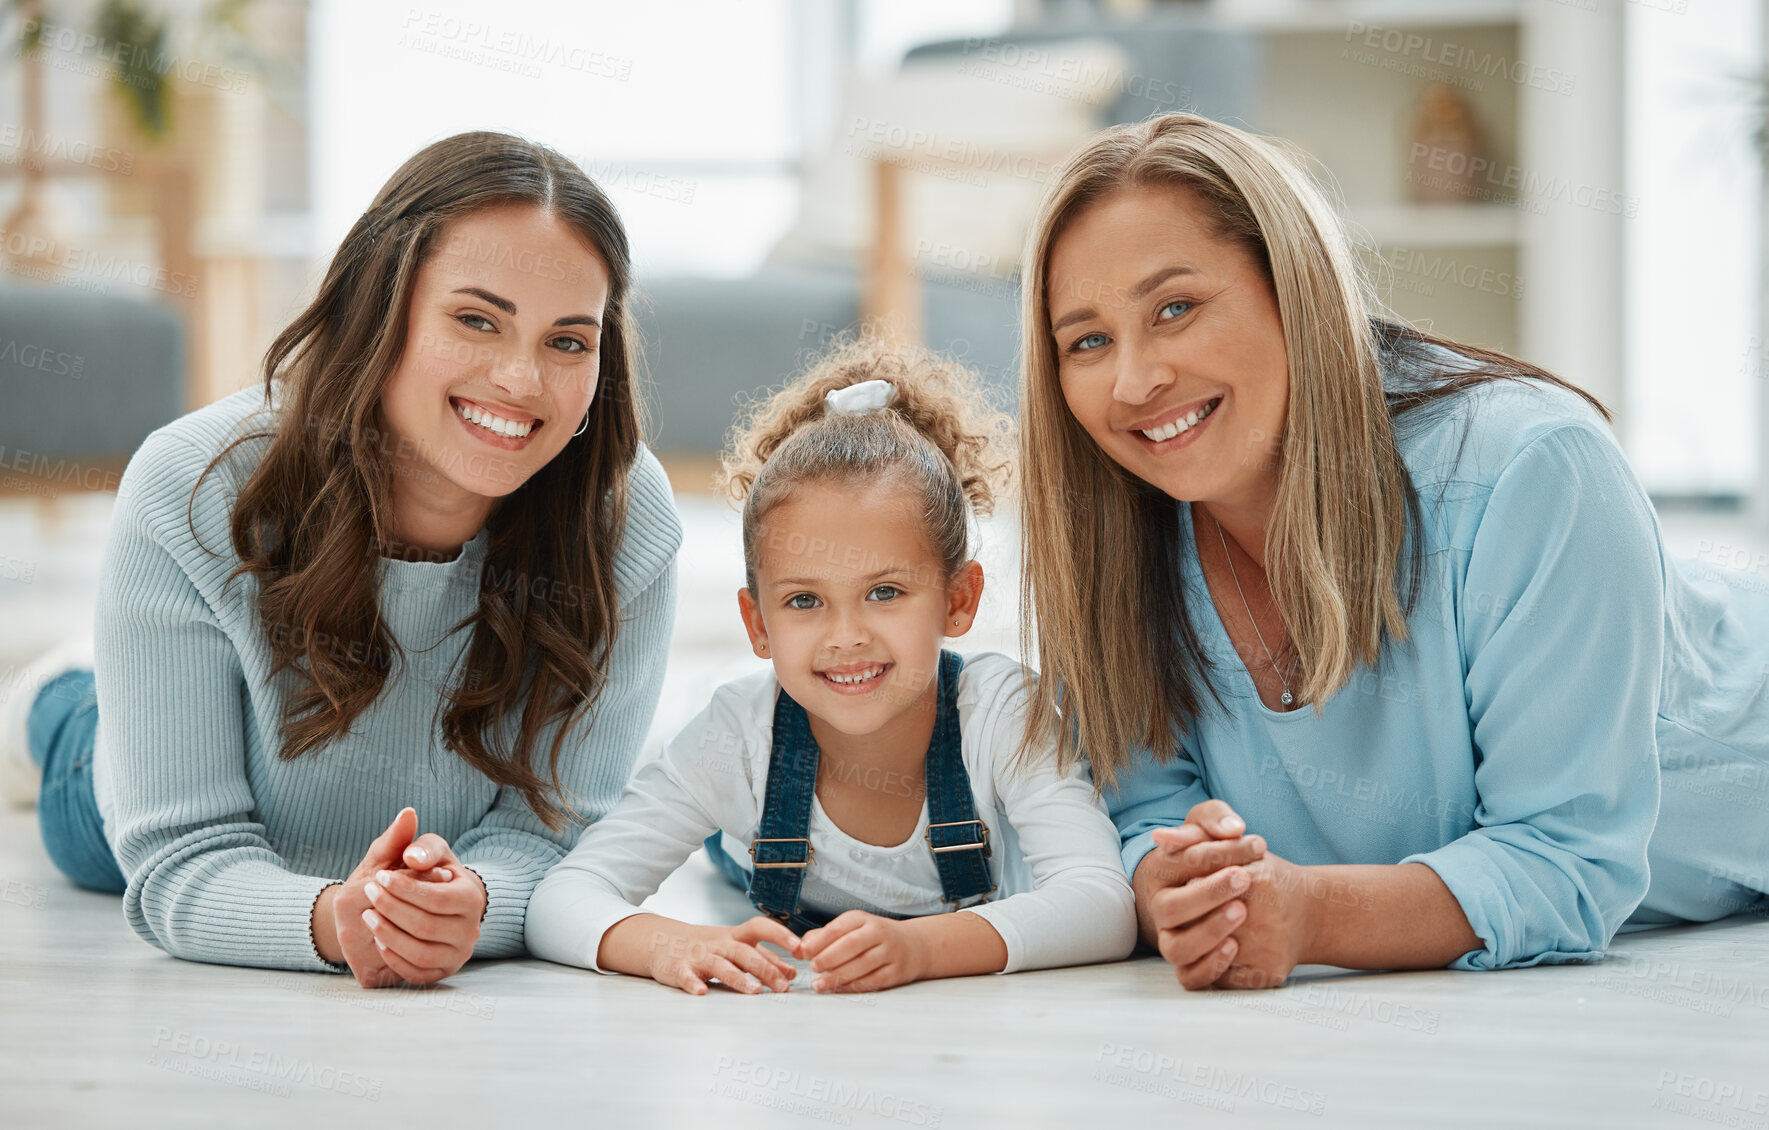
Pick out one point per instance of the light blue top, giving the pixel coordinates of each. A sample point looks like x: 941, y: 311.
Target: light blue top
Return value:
x: 1558, y: 656
x: 225, y: 845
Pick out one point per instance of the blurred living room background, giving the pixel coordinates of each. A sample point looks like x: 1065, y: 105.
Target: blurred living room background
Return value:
x: 1577, y: 181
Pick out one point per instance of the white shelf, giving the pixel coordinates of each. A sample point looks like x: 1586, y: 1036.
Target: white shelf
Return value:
x: 1435, y: 225
x: 1303, y: 16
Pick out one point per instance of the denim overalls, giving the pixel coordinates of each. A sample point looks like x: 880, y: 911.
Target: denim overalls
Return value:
x: 782, y: 847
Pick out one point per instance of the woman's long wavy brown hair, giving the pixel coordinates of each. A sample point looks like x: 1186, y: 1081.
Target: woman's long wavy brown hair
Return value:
x: 1120, y: 661
x: 314, y: 516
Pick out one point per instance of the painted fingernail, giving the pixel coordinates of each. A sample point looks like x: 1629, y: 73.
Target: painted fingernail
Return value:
x: 444, y: 874
x: 385, y: 878
x: 380, y: 945
x: 420, y: 855
x: 372, y: 890
x: 372, y: 919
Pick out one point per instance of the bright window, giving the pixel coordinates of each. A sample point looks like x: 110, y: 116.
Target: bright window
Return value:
x: 1693, y: 302
x: 682, y: 111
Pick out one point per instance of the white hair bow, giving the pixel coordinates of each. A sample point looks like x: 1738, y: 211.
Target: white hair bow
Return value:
x: 859, y: 399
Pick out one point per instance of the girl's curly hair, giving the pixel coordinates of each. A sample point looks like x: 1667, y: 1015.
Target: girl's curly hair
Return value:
x: 940, y: 436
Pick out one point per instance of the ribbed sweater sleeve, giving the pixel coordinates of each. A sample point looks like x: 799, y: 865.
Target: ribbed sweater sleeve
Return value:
x: 204, y: 881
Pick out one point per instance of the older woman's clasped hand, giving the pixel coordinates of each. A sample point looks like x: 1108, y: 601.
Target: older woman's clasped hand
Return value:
x: 1222, y: 910
x: 410, y: 911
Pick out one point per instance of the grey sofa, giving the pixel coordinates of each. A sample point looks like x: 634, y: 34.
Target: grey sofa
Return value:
x: 712, y: 344
x: 83, y: 379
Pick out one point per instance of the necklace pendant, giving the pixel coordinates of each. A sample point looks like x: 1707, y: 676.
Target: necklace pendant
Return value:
x: 1285, y: 698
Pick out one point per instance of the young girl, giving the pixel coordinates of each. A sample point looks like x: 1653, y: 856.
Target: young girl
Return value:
x: 855, y: 481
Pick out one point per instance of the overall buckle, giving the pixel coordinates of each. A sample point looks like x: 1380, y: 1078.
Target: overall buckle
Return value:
x: 810, y: 853
x: 982, y: 843
x: 980, y: 899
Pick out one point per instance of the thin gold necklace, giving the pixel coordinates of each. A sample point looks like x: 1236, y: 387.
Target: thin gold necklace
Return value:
x: 1286, y: 698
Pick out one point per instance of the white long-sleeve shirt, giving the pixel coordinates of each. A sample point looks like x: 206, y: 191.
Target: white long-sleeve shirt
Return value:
x: 1062, y: 895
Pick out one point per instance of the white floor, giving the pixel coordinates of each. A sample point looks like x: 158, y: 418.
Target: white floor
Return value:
x: 99, y: 1029
x: 102, y: 1030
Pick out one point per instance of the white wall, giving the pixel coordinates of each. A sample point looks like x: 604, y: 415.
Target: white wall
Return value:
x: 1693, y: 299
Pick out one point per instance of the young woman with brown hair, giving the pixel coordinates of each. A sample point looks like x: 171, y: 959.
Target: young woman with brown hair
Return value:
x: 1396, y: 604
x: 428, y: 566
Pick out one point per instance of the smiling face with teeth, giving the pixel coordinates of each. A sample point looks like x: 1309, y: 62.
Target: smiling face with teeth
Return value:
x: 1170, y: 350
x: 852, y: 606
x: 500, y: 365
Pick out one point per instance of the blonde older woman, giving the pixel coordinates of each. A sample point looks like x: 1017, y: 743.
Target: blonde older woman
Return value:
x: 1370, y: 636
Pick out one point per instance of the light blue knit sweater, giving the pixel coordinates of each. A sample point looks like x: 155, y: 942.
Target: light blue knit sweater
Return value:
x: 224, y: 845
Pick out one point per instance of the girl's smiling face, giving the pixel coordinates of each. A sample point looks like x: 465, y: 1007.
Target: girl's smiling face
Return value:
x: 852, y: 605
x: 500, y: 365
x: 1169, y: 347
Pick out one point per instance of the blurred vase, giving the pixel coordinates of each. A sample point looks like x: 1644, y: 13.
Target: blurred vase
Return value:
x: 1446, y: 149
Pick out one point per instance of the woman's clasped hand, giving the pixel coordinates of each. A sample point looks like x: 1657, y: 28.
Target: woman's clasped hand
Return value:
x: 1223, y: 911
x: 409, y: 912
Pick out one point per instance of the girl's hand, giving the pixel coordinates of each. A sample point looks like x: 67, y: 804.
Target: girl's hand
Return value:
x: 424, y: 918
x: 687, y: 957
x: 861, y: 953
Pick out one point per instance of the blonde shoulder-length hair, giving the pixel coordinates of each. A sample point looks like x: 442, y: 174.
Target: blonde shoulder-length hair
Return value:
x: 1121, y: 666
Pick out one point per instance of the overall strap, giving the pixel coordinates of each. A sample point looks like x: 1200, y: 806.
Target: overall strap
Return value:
x: 958, y: 839
x: 782, y: 847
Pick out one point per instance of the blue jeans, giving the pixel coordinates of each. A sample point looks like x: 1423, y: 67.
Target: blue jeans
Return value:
x: 61, y: 726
